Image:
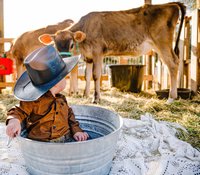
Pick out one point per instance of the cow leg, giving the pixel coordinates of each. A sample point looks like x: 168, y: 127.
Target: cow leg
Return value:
x: 172, y: 62
x: 97, y: 66
x: 74, y: 81
x: 88, y: 75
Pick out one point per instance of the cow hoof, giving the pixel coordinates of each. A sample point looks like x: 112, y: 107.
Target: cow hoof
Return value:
x: 170, y: 100
x: 96, y: 101
x: 86, y: 95
x: 73, y: 93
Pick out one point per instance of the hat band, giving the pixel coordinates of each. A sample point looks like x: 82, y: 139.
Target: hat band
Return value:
x: 40, y: 77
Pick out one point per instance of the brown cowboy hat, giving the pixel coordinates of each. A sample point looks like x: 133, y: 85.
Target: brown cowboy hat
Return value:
x: 44, y: 69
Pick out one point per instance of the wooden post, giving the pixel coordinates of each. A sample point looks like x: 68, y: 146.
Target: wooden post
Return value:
x: 146, y: 83
x: 147, y: 2
x: 1, y: 26
x: 197, y: 4
x: 180, y: 78
x: 198, y: 46
x: 2, y: 78
x: 148, y: 64
x: 195, y: 53
x: 187, y: 43
x: 159, y: 74
x: 184, y: 56
x: 148, y: 60
x: 165, y: 78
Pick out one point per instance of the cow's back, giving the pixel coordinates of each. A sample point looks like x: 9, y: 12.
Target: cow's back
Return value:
x: 28, y: 41
x: 123, y: 32
x: 98, y: 23
x: 95, y: 24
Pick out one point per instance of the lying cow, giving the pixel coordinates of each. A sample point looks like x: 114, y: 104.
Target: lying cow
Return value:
x: 129, y: 32
x: 28, y: 42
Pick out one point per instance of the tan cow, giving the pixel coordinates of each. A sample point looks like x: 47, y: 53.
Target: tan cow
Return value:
x: 28, y: 41
x: 128, y: 32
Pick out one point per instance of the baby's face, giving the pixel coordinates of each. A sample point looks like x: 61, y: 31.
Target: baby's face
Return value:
x: 60, y: 86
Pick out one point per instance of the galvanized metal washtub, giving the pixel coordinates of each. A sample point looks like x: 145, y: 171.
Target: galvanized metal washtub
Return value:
x: 91, y: 157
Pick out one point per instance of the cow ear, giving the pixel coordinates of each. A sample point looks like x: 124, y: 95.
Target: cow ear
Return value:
x: 79, y: 36
x: 46, y: 39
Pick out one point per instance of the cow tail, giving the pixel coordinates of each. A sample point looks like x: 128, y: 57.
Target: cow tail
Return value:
x: 183, y: 12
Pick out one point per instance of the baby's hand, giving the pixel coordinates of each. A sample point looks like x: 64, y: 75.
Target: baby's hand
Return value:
x: 13, y: 128
x: 80, y: 136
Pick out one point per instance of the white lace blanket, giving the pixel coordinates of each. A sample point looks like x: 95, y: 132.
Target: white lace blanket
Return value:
x: 148, y: 147
x: 145, y: 147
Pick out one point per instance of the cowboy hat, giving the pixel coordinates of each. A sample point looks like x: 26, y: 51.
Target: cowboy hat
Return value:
x: 44, y: 69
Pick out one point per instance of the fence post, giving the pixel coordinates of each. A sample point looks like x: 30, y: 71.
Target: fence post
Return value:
x: 147, y: 1
x: 2, y: 78
x: 195, y: 53
x: 148, y: 69
x: 1, y: 25
x: 180, y: 78
x: 159, y: 65
x: 197, y: 4
x: 187, y: 44
x: 184, y: 56
x: 148, y: 61
x: 165, y: 77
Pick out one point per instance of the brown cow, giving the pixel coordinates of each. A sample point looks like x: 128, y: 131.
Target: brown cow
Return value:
x: 28, y: 41
x: 129, y: 32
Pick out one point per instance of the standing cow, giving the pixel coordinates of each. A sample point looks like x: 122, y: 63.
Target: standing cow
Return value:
x: 129, y: 32
x: 28, y: 41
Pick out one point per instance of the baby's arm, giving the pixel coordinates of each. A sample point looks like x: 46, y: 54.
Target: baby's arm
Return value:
x: 77, y: 132
x: 80, y: 136
x: 13, y: 128
x: 15, y: 116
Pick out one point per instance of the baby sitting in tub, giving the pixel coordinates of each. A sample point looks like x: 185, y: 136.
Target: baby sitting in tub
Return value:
x: 45, y: 111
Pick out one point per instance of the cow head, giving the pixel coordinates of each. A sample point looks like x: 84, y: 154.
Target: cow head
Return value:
x: 64, y: 40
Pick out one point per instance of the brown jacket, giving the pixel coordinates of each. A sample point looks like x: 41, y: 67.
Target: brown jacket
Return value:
x: 47, y: 118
